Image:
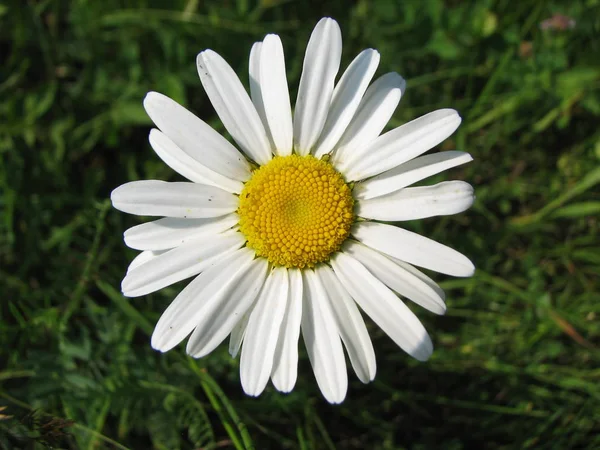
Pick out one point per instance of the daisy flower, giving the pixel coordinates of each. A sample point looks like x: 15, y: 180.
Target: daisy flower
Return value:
x: 288, y: 232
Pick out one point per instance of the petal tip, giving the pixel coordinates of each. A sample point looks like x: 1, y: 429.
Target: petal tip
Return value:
x: 394, y: 80
x: 205, y: 52
x: 149, y: 97
x: 284, y: 388
x: 335, y: 398
x: 153, y: 96
x: 441, y: 311
x: 154, y: 133
x: 424, y: 349
x: 115, y: 193
x: 283, y: 382
x: 155, y: 342
x: 202, y: 57
x: 194, y: 354
x: 453, y: 115
x: 252, y: 391
x: 469, y: 268
x: 272, y: 37
x: 161, y: 341
x: 329, y: 25
x: 327, y: 20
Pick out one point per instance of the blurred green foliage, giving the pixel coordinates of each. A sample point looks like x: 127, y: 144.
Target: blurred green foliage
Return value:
x: 517, y: 356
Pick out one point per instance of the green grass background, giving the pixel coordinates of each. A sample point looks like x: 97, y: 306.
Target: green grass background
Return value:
x: 517, y: 355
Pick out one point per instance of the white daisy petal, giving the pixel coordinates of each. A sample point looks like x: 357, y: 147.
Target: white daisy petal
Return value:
x: 143, y: 258
x: 262, y: 332
x: 442, y: 199
x: 409, y: 173
x: 233, y: 105
x: 397, y: 277
x: 185, y: 312
x: 220, y: 313
x: 275, y: 94
x: 255, y: 87
x: 179, y: 263
x: 346, y: 97
x: 351, y: 325
x: 420, y: 275
x: 402, y: 144
x: 285, y: 364
x: 413, y: 248
x: 166, y: 233
x: 238, y: 333
x: 374, y: 112
x: 179, y: 199
x: 196, y: 138
x: 322, y: 340
x: 182, y: 163
x: 383, y: 306
x: 321, y: 64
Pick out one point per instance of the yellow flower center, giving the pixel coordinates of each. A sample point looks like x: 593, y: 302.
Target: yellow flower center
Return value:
x: 295, y: 211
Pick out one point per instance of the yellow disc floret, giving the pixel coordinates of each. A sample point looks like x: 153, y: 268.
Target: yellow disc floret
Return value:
x: 295, y: 211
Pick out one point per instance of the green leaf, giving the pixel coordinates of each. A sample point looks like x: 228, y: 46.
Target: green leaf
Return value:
x: 576, y: 210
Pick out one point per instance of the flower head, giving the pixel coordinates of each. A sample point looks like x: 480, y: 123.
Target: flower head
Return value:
x: 286, y: 233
